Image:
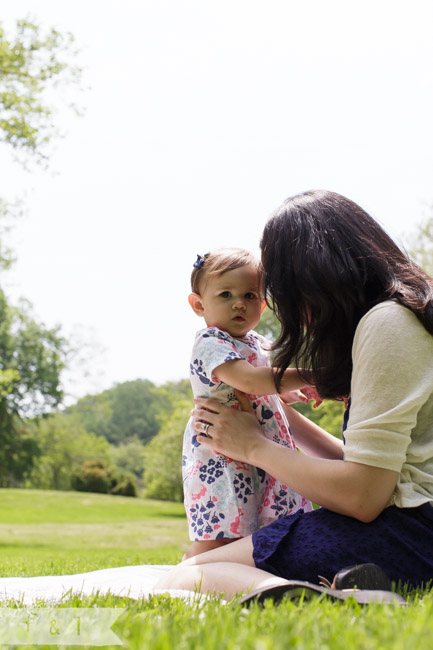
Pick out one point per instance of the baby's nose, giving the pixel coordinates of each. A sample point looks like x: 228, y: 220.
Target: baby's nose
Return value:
x: 239, y: 303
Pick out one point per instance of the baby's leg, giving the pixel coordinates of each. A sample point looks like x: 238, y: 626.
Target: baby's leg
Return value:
x: 203, y: 546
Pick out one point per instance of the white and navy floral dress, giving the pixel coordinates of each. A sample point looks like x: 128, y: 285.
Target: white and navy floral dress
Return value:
x: 223, y: 497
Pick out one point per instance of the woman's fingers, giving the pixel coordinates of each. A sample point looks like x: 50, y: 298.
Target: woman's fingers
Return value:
x: 203, y: 414
x: 205, y: 440
x: 232, y: 432
x: 203, y: 428
x: 212, y: 405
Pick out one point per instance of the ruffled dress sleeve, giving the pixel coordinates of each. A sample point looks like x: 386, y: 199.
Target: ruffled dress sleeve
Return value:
x: 212, y: 348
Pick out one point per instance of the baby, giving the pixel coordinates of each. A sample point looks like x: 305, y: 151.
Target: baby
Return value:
x: 225, y: 499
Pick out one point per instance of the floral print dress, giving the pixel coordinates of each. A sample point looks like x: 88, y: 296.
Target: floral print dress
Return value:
x: 225, y: 498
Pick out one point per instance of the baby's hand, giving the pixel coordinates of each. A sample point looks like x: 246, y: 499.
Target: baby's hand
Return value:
x: 304, y: 395
x: 311, y: 393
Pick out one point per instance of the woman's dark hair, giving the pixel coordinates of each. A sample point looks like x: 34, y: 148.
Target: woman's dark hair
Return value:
x: 327, y: 262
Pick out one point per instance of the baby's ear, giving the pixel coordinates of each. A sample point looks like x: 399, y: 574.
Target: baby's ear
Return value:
x: 196, y: 303
x: 263, y: 306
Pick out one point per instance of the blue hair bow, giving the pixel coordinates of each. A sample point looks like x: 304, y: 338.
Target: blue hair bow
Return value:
x: 200, y: 261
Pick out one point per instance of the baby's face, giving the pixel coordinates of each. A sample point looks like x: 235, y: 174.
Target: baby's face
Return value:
x: 233, y: 301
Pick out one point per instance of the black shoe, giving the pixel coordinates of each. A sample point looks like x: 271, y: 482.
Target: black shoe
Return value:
x: 297, y: 590
x: 365, y: 583
x: 362, y: 576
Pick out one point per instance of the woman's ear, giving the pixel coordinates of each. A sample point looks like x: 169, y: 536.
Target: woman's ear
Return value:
x: 196, y: 303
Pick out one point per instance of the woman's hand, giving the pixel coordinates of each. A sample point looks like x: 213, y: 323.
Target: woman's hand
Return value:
x: 232, y: 432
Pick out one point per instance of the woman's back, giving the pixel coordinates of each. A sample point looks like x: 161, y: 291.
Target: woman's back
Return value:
x: 391, y: 415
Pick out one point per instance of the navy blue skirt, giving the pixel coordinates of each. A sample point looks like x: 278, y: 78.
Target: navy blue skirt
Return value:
x: 303, y: 546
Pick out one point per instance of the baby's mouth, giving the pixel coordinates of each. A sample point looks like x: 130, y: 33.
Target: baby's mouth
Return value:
x: 239, y: 318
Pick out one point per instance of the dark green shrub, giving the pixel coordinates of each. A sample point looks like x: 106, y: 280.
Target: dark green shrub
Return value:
x: 92, y: 477
x: 97, y: 477
x: 125, y: 487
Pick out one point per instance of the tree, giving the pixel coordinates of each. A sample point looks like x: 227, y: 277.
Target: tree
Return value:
x: 136, y: 407
x: 33, y: 63
x: 94, y: 412
x: 18, y: 453
x: 129, y: 456
x: 31, y: 360
x: 8, y: 212
x: 64, y: 447
x: 163, y: 457
x: 132, y: 409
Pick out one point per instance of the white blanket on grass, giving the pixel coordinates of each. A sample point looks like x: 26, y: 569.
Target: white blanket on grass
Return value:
x: 131, y: 581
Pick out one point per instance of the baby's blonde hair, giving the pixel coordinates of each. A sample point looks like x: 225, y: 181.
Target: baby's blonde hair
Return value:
x: 219, y: 262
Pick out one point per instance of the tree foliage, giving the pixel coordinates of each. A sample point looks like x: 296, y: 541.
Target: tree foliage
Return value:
x: 269, y: 326
x: 329, y: 415
x: 31, y: 360
x: 97, y: 477
x: 64, y: 447
x: 19, y: 451
x: 77, y: 446
x: 163, y: 457
x: 129, y: 456
x: 136, y: 406
x: 131, y: 410
x: 8, y: 213
x: 33, y: 63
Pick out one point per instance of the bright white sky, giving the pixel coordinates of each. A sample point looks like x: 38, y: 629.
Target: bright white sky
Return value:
x: 201, y: 118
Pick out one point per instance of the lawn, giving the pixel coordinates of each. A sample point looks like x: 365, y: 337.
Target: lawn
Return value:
x: 54, y: 532
x: 47, y: 532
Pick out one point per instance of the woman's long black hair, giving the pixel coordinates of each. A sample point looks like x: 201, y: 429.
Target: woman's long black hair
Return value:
x: 327, y: 262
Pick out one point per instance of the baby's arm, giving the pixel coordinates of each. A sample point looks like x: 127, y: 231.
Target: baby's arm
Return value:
x: 241, y: 375
x: 306, y: 394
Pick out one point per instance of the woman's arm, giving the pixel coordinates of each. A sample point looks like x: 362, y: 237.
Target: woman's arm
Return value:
x: 241, y: 375
x: 352, y: 489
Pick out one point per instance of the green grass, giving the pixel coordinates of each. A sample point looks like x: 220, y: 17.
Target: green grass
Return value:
x: 46, y: 506
x: 54, y: 532
x: 45, y: 532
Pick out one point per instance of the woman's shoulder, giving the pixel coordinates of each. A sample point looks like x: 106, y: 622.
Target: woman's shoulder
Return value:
x: 391, y: 321
x: 387, y: 309
x: 388, y: 312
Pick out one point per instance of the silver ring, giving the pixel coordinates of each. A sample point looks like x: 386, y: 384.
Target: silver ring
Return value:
x: 206, y: 427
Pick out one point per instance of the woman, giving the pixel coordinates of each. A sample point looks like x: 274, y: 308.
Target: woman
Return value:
x: 359, y: 313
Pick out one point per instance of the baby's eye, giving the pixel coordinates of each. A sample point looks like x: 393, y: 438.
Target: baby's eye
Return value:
x: 225, y: 294
x: 250, y: 295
